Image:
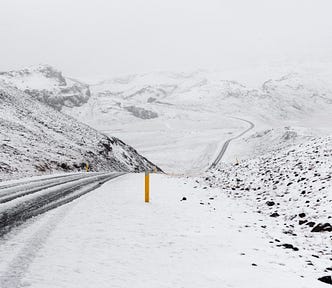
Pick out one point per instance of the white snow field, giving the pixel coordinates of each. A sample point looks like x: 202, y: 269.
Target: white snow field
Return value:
x: 111, y: 238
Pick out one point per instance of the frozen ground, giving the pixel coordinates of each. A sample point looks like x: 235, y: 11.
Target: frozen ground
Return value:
x: 111, y: 238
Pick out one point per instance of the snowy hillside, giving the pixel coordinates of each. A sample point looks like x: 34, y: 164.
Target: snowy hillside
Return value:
x: 291, y: 187
x: 48, y: 85
x: 37, y: 139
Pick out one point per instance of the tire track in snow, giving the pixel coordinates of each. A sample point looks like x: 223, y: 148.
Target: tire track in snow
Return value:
x: 17, y: 268
x: 21, y: 183
x: 12, y: 193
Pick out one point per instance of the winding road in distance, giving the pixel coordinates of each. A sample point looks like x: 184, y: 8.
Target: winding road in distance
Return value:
x: 225, y: 146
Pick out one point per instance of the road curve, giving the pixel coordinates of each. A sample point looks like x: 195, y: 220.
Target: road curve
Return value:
x: 225, y: 145
x: 21, y: 201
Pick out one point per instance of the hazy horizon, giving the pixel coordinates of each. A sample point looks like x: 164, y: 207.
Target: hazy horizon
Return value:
x: 95, y: 40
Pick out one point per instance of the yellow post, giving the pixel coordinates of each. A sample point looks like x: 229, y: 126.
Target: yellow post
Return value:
x: 87, y: 167
x: 147, y: 187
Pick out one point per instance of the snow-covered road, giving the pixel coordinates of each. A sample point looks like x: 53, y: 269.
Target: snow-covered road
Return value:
x: 111, y: 238
x: 226, y: 144
x: 21, y: 200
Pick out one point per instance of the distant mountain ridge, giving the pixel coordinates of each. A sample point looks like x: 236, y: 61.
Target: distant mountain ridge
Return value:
x: 293, y: 93
x: 291, y: 96
x: 48, y: 85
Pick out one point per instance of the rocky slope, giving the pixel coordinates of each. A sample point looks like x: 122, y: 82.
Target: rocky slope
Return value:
x: 37, y: 139
x: 291, y: 187
x: 48, y: 85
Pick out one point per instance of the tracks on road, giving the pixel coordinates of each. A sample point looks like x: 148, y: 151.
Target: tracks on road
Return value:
x: 225, y: 145
x: 21, y: 201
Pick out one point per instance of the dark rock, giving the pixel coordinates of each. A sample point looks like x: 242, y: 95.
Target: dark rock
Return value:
x: 302, y: 215
x: 311, y: 224
x: 326, y: 279
x: 184, y: 198
x: 289, y: 246
x: 326, y: 227
x: 329, y: 268
x: 270, y: 203
x: 275, y: 214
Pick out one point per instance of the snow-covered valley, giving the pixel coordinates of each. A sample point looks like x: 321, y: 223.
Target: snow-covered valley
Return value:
x: 253, y: 213
x: 197, y: 112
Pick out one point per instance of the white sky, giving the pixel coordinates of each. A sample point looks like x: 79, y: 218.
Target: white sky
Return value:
x: 91, y: 39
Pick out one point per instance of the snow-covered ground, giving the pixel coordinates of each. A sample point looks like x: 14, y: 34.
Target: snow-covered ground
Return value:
x: 292, y: 188
x: 248, y: 222
x: 111, y: 238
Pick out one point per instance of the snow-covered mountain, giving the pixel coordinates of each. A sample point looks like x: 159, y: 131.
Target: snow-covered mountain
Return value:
x: 48, y: 85
x: 37, y: 139
x: 291, y: 96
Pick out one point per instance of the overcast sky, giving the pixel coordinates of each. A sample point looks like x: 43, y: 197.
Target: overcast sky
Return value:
x: 90, y: 39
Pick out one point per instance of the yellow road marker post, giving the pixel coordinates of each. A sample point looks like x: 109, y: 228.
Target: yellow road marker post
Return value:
x: 87, y: 167
x: 147, y: 187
